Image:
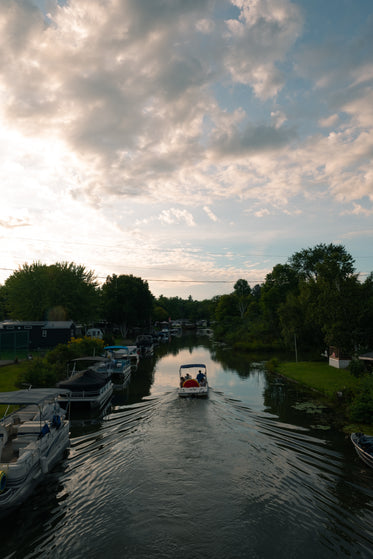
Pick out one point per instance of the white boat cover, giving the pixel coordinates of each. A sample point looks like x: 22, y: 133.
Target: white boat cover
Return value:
x: 31, y: 396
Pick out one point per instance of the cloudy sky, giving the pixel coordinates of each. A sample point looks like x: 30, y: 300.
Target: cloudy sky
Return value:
x: 187, y: 142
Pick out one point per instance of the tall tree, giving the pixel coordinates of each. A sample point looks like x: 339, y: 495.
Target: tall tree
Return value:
x: 331, y: 289
x: 3, y: 311
x: 330, y: 261
x: 242, y: 291
x: 279, y: 283
x: 366, y: 317
x: 127, y: 301
x: 61, y: 291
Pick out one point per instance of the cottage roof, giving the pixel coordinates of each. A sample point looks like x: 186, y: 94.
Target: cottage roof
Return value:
x: 48, y: 324
x: 367, y: 356
x: 59, y: 324
x: 14, y: 323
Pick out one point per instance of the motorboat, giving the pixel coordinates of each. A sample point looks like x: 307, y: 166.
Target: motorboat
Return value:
x: 117, y: 368
x: 193, y: 380
x: 364, y: 447
x: 34, y: 434
x: 81, y: 363
x: 145, y: 344
x: 130, y: 352
x: 88, y: 388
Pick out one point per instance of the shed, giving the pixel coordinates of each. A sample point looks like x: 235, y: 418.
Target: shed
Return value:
x: 338, y: 359
x: 29, y: 335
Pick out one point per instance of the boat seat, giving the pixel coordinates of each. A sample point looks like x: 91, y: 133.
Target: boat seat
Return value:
x: 21, y: 444
x: 191, y: 383
x: 29, y: 427
x: 26, y: 450
x: 25, y: 415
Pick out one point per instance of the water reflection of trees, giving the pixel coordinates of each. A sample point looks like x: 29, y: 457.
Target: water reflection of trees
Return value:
x: 141, y: 382
x: 242, y: 364
x: 177, y: 344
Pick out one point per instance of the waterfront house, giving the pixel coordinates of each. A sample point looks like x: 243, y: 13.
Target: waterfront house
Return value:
x: 31, y: 335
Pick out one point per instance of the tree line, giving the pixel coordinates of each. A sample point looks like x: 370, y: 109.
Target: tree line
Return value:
x: 315, y: 298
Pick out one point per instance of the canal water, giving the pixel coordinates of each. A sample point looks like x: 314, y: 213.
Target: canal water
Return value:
x: 254, y: 471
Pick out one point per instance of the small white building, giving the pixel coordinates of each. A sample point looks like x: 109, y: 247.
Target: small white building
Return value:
x: 337, y: 359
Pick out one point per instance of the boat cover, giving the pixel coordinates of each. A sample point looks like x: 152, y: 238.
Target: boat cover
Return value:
x: 90, y: 358
x: 31, y: 396
x: 85, y: 380
x: 365, y: 442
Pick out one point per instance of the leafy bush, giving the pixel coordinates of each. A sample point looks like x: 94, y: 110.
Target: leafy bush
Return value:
x: 77, y: 347
x: 272, y: 365
x: 40, y: 374
x: 357, y: 368
x: 361, y: 409
x: 46, y: 372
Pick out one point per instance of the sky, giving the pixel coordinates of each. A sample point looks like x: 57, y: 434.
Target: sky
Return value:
x: 191, y: 143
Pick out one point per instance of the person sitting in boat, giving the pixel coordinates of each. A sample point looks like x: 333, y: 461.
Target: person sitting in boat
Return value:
x: 201, y: 378
x: 187, y: 376
x: 182, y: 380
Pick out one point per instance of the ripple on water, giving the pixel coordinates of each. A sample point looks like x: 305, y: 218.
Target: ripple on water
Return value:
x: 172, y: 477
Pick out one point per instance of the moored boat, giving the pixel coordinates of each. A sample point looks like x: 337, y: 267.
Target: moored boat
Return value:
x: 193, y: 380
x: 130, y: 352
x: 145, y: 345
x: 363, y: 445
x: 88, y: 388
x: 34, y: 434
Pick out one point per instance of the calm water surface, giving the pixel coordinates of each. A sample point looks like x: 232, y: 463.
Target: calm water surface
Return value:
x: 245, y: 473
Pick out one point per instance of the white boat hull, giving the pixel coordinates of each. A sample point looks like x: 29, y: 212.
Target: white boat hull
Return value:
x: 360, y: 441
x: 193, y: 381
x: 194, y: 392
x: 32, y: 442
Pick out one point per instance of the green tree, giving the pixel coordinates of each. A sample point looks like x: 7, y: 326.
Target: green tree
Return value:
x: 126, y: 301
x: 331, y: 289
x: 330, y: 261
x: 242, y: 291
x: 160, y: 314
x: 227, y: 308
x: 366, y: 314
x: 3, y: 312
x: 282, y: 281
x: 61, y: 291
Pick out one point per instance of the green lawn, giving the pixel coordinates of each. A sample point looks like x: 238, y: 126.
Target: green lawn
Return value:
x: 319, y: 376
x: 9, y: 375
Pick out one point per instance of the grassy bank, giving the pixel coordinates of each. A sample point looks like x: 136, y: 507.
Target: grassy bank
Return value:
x: 9, y: 375
x: 319, y: 376
x: 337, y: 387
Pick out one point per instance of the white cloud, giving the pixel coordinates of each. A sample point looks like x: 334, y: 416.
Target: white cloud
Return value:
x: 328, y: 121
x: 261, y: 213
x: 211, y: 215
x: 260, y: 38
x: 174, y: 215
x: 205, y: 26
x: 278, y: 117
x: 13, y: 222
x: 133, y: 113
x: 358, y: 209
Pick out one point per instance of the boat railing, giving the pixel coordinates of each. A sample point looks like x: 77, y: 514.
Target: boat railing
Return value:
x: 84, y: 394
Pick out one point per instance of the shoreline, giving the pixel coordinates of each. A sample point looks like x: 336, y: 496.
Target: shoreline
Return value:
x: 333, y: 386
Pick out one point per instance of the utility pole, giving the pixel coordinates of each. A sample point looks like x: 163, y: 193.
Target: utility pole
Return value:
x: 295, y: 346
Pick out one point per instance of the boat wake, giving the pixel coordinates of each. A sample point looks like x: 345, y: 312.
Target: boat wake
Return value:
x: 151, y: 472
